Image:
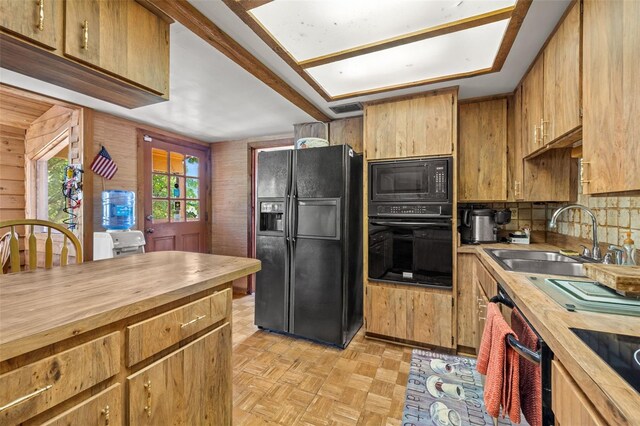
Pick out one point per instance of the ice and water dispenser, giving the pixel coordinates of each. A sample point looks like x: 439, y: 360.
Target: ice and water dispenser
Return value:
x: 271, y: 216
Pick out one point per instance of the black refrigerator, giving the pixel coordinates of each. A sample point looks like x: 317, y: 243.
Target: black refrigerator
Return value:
x: 309, y: 239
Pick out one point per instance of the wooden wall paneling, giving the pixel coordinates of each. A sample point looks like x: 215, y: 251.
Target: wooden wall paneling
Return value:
x: 46, y: 129
x: 12, y: 173
x: 482, y: 152
x: 611, y: 122
x: 19, y: 111
x: 347, y: 131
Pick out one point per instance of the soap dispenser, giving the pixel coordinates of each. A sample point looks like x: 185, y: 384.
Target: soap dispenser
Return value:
x: 630, y: 250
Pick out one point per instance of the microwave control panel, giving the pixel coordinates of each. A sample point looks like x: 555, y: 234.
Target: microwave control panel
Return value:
x: 402, y: 210
x: 440, y: 177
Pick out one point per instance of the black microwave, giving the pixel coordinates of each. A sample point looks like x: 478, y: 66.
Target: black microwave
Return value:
x: 417, y: 187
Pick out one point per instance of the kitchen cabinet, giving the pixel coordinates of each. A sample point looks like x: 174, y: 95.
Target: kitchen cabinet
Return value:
x: 551, y: 176
x: 347, y: 131
x: 515, y: 164
x: 569, y: 404
x: 466, y: 301
x: 117, y: 51
x: 482, y: 151
x: 418, y: 126
x: 420, y: 316
x: 102, y: 409
x: 189, y: 386
x: 562, y: 88
x: 35, y: 21
x: 480, y: 317
x: 611, y: 87
x: 533, y: 107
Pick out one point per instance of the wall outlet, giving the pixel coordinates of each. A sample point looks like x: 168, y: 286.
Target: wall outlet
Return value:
x: 514, y: 213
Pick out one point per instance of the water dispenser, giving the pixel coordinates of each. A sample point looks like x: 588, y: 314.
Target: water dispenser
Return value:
x: 272, y: 216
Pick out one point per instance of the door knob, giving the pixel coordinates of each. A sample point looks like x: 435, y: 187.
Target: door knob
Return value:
x: 149, y: 230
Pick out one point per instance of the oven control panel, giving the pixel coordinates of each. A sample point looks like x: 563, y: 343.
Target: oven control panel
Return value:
x: 407, y: 210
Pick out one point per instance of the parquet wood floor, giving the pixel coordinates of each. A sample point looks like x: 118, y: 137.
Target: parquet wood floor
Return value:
x: 279, y: 380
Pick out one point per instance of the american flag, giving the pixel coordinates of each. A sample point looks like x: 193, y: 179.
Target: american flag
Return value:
x: 103, y: 165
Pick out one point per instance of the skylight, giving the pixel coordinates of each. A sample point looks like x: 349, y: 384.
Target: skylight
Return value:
x: 347, y: 48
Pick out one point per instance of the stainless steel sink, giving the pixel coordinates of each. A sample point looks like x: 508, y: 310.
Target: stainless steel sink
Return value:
x: 538, y: 262
x: 532, y: 255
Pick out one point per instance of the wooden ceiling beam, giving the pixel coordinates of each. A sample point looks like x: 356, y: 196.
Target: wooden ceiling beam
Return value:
x: 520, y: 11
x: 251, y: 4
x: 447, y: 28
x: 199, y: 24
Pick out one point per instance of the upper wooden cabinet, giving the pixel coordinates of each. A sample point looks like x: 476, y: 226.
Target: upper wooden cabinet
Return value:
x: 34, y: 20
x: 562, y: 97
x: 117, y: 51
x: 551, y: 98
x: 414, y: 127
x: 611, y: 130
x: 533, y: 108
x: 514, y: 147
x: 482, y: 151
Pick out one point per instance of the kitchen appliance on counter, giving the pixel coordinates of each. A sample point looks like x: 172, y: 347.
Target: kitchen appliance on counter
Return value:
x: 619, y: 351
x: 480, y: 225
x: 309, y: 239
x: 410, y: 228
x: 107, y: 245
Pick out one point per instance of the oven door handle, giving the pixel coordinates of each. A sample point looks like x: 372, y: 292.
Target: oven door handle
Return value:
x: 393, y: 223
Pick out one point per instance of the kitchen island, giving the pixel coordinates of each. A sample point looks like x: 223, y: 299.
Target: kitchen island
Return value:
x: 143, y: 339
x: 585, y: 390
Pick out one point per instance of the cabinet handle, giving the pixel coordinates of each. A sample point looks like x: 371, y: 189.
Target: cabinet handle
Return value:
x: 535, y: 134
x: 107, y: 415
x: 543, y: 130
x: 584, y: 170
x: 25, y: 398
x: 85, y: 35
x: 40, y: 15
x: 198, y: 318
x: 147, y: 408
x: 516, y: 188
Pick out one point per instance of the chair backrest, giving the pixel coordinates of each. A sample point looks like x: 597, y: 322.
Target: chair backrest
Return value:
x: 10, y: 247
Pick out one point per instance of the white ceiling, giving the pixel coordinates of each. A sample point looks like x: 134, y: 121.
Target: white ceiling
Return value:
x: 213, y: 99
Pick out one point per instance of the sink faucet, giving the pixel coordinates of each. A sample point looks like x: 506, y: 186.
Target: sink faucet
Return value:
x: 595, y: 252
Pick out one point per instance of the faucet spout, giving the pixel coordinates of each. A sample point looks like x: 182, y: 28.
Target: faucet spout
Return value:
x: 595, y: 252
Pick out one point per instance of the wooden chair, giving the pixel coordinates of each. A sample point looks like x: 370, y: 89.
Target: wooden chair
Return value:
x: 10, y: 239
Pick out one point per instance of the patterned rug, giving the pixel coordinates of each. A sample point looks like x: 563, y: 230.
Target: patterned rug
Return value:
x: 445, y: 390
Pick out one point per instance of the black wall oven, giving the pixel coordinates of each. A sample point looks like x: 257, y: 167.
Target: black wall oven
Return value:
x: 410, y: 227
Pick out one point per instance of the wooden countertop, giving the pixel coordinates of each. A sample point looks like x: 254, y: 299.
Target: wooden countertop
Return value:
x: 45, y: 306
x: 613, y: 397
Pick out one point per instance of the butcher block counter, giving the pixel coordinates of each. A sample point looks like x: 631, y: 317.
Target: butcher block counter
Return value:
x: 142, y: 339
x: 597, y: 387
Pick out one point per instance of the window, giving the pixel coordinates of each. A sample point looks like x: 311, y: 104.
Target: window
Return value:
x: 50, y: 175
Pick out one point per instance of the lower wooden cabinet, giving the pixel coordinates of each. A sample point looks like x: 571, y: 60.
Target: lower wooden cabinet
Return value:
x: 569, y: 404
x: 103, y: 409
x: 191, y: 386
x: 422, y: 315
x: 480, y: 317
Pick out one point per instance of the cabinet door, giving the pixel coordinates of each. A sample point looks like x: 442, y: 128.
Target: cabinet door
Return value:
x: 430, y: 318
x: 189, y: 387
x: 569, y: 404
x: 96, y: 33
x: 481, y: 316
x: 386, y: 311
x: 413, y: 127
x: 562, y: 79
x: 147, y: 49
x: 611, y: 87
x: 483, y: 151
x: 347, y: 131
x: 515, y: 163
x: 34, y: 20
x: 532, y: 107
x: 466, y: 303
x: 102, y: 409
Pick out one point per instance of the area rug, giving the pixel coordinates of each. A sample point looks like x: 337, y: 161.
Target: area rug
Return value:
x: 445, y: 390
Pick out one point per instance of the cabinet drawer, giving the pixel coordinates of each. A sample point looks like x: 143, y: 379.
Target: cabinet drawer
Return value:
x: 36, y: 387
x: 102, y: 409
x: 149, y: 337
x: 570, y: 406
